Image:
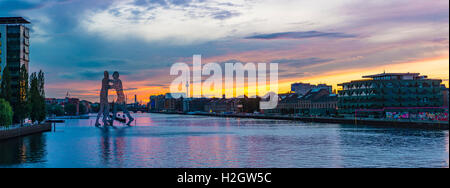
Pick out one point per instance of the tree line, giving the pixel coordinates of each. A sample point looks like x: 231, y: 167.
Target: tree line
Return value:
x: 26, y: 99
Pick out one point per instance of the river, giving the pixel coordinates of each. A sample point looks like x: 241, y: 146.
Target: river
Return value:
x: 173, y: 141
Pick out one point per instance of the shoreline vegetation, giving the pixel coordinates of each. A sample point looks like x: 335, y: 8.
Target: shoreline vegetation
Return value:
x: 419, y: 124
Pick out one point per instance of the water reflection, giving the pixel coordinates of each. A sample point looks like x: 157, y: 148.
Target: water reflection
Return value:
x: 193, y: 141
x: 390, y: 147
x: 446, y: 149
x: 30, y: 149
x: 112, y: 144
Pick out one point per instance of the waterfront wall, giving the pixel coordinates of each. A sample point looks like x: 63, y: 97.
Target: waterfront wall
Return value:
x: 435, y: 125
x: 23, y: 131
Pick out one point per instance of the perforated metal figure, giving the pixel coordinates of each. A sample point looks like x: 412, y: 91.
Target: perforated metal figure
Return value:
x: 104, y: 104
x: 120, y: 103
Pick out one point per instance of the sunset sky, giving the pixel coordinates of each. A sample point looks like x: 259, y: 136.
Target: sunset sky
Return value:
x: 318, y: 41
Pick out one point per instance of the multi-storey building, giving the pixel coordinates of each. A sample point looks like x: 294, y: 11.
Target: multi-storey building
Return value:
x: 379, y: 94
x: 156, y: 103
x: 64, y: 102
x: 318, y: 102
x: 223, y: 105
x: 14, y: 47
x: 303, y: 88
x: 194, y: 104
x: 315, y: 102
x: 445, y: 95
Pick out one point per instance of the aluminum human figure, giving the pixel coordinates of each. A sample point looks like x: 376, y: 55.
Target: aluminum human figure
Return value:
x: 104, y: 104
x: 120, y: 102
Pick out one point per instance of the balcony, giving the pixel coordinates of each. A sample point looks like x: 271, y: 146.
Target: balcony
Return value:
x: 26, y: 33
x: 26, y: 41
x: 26, y: 57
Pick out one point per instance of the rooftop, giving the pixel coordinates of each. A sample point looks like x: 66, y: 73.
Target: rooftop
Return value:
x: 13, y: 20
x: 391, y: 74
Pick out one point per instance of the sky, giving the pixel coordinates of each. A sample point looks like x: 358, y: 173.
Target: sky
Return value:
x: 74, y: 41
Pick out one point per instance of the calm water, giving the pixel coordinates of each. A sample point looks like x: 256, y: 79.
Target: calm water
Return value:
x: 160, y: 140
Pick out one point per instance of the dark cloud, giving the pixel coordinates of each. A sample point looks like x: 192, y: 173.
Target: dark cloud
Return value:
x: 163, y: 3
x: 83, y: 75
x: 80, y: 91
x: 16, y: 5
x: 101, y: 63
x: 210, y: 11
x: 223, y: 15
x: 130, y: 89
x: 87, y: 75
x: 301, y: 62
x: 156, y: 85
x: 291, y: 75
x: 300, y: 35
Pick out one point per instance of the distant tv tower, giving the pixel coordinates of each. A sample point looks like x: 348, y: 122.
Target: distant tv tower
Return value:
x: 187, y: 90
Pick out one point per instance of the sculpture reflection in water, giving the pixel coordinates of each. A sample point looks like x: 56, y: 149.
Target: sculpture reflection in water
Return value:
x: 120, y: 103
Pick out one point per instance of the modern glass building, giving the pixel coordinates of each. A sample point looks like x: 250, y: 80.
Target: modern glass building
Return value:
x: 14, y: 47
x: 387, y: 93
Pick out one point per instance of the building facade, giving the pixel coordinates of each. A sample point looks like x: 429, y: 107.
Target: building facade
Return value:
x: 315, y: 102
x: 14, y: 47
x: 156, y: 103
x: 303, y: 88
x: 194, y: 104
x: 64, y: 102
x: 318, y: 102
x: 445, y: 96
x: 223, y: 105
x: 380, y: 94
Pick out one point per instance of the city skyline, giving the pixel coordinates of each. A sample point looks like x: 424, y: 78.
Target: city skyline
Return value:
x: 333, y: 42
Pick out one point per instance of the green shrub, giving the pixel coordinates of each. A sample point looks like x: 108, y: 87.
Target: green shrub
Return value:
x: 70, y: 109
x: 55, y: 109
x: 6, y: 113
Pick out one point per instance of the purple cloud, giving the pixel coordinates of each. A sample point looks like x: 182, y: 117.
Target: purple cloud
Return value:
x: 300, y: 35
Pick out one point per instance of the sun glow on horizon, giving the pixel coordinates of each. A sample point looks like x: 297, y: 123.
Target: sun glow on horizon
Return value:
x: 435, y: 68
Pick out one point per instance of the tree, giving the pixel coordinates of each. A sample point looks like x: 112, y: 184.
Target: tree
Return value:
x: 6, y: 113
x: 41, y: 89
x: 70, y: 109
x: 5, y: 87
x: 55, y: 109
x: 34, y: 98
x: 95, y: 108
x: 22, y: 107
x: 83, y: 108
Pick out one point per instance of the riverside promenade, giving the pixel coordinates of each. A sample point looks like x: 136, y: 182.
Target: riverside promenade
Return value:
x: 418, y: 124
x: 17, y: 130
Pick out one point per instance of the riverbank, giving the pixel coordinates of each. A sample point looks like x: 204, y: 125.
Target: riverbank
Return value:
x: 71, y: 117
x: 18, y: 131
x: 434, y: 125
